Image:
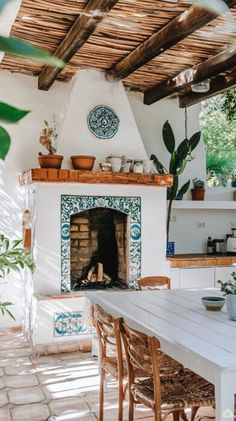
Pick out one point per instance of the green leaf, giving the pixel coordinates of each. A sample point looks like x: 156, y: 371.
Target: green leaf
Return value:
x: 160, y: 168
x: 172, y: 163
x: 168, y: 137
x: 16, y: 243
x: 21, y: 48
x: 5, y: 142
x: 10, y: 314
x: 183, y: 150
x: 184, y: 188
x: 182, y: 167
x: 194, y: 140
x: 10, y: 114
x: 6, y: 244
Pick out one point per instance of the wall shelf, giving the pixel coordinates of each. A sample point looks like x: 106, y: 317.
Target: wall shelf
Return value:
x: 37, y: 175
x: 205, y: 204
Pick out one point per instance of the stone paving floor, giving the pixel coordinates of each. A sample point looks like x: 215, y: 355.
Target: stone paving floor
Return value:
x: 61, y: 387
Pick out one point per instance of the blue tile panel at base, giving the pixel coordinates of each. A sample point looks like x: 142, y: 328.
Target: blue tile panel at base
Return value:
x: 73, y: 204
x: 69, y: 324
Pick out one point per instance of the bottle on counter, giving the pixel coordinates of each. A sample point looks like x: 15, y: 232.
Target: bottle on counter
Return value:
x: 210, y: 246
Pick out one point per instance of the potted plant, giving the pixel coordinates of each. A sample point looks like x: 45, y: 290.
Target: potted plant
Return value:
x: 12, y: 257
x: 233, y: 179
x: 179, y: 157
x: 229, y: 289
x: 48, y: 137
x: 198, y: 190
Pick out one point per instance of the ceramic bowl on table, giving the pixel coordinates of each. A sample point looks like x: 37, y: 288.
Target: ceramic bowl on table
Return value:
x: 213, y: 303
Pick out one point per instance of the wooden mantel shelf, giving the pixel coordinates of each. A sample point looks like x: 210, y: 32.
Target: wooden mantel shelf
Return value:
x: 38, y: 175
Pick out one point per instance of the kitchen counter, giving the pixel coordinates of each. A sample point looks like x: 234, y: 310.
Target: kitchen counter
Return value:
x: 201, y: 260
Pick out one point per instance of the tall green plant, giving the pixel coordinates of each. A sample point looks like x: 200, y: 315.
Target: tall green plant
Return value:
x: 178, y: 160
x: 13, y: 257
x: 14, y: 46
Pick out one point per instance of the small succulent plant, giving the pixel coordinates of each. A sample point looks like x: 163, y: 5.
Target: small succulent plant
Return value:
x: 198, y: 183
x: 229, y: 287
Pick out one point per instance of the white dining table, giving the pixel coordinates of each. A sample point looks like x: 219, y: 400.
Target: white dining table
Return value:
x: 204, y: 341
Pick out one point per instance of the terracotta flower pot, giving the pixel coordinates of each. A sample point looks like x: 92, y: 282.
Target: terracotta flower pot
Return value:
x: 50, y: 161
x: 83, y: 162
x: 198, y: 194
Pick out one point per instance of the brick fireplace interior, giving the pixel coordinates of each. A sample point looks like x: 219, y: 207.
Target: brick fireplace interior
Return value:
x: 99, y: 249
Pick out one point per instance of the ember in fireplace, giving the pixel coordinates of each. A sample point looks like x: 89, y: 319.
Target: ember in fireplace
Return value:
x: 99, y: 257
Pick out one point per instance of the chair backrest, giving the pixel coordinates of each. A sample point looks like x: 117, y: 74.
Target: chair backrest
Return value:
x: 108, y: 331
x: 153, y: 282
x: 141, y: 353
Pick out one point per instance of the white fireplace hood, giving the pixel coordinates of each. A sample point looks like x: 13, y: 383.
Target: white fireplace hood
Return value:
x: 89, y: 90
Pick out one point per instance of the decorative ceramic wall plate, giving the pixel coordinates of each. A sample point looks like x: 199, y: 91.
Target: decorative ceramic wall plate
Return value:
x: 103, y: 122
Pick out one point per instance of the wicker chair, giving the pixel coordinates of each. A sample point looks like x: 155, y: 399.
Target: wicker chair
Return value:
x: 110, y: 355
x: 112, y: 361
x: 163, y: 394
x: 153, y: 282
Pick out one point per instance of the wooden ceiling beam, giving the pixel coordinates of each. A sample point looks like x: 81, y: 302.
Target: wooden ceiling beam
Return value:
x: 194, y: 18
x: 215, y: 65
x: 81, y: 30
x: 218, y: 85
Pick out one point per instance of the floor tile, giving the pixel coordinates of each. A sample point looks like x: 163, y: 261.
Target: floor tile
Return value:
x: 34, y: 412
x: 21, y: 381
x: 19, y: 370
x: 26, y: 395
x: 2, y: 383
x: 46, y: 359
x: 69, y: 407
x: 14, y: 362
x: 87, y: 417
x: 61, y: 387
x: 5, y: 414
x: 12, y: 353
x: 3, y: 399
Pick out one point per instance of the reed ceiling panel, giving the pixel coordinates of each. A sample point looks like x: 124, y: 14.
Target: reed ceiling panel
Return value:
x: 45, y: 23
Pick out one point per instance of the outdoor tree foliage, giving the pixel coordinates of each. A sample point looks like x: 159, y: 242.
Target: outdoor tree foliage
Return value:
x: 8, y: 113
x: 229, y: 104
x: 219, y: 135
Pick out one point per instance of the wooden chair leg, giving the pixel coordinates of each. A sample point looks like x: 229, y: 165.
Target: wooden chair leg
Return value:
x: 101, y: 394
x: 131, y: 407
x: 120, y: 400
x: 176, y: 416
x: 194, y: 411
x: 183, y: 416
x: 157, y: 416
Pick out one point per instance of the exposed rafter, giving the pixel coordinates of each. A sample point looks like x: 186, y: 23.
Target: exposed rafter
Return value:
x: 218, y: 85
x: 179, y: 28
x: 79, y: 33
x: 213, y: 66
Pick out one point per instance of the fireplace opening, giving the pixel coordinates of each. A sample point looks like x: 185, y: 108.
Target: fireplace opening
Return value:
x: 99, y: 249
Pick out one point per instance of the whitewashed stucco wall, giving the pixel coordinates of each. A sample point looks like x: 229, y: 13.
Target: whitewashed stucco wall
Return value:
x: 22, y: 91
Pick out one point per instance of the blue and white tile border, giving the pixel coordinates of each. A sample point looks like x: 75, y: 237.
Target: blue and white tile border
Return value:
x: 72, y: 204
